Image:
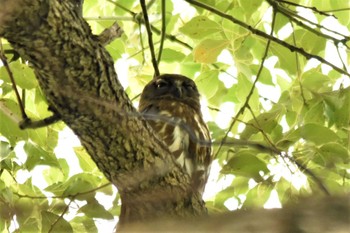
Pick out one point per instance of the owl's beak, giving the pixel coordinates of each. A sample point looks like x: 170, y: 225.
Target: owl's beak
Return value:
x: 178, y: 92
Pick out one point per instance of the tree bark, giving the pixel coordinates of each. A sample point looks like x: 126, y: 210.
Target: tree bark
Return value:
x: 79, y: 81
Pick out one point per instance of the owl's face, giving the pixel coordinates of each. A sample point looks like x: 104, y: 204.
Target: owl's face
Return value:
x: 172, y: 87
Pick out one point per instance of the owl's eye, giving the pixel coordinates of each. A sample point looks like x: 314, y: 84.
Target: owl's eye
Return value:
x: 161, y: 84
x: 189, y: 86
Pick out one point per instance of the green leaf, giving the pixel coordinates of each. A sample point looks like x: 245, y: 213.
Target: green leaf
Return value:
x: 265, y: 75
x: 45, y: 137
x: 243, y: 54
x: 200, y: 27
x: 116, y: 48
x: 10, y: 117
x: 257, y: 196
x: 315, y: 81
x: 27, y: 216
x: 266, y: 121
x: 338, y: 107
x: 30, y: 225
x: 83, y: 224
x: 38, y: 156
x: 208, y: 50
x: 5, y: 150
x: 85, y: 161
x: 23, y: 75
x: 315, y: 133
x: 313, y: 43
x: 95, y: 210
x: 286, y: 58
x: 315, y: 114
x: 53, y: 175
x: 250, y: 6
x: 244, y: 86
x: 291, y: 118
x: 82, y: 185
x: 331, y: 154
x: 54, y: 223
x: 280, y: 22
x: 245, y: 163
x: 171, y: 55
x: 224, y: 194
x: 208, y: 83
x: 64, y: 168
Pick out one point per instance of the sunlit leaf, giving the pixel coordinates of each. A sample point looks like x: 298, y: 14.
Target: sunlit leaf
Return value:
x: 83, y: 224
x: 5, y: 150
x: 315, y: 114
x: 95, y: 210
x: 286, y: 58
x: 257, y: 196
x: 22, y: 74
x: 208, y: 50
x: 10, y: 117
x: 171, y: 55
x: 200, y: 27
x: 85, y: 161
x: 265, y: 121
x: 250, y: 6
x: 53, y: 221
x: 315, y: 133
x: 245, y: 163
x: 337, y: 107
x: 331, y: 154
x: 38, y: 156
x: 208, y: 82
x: 315, y: 81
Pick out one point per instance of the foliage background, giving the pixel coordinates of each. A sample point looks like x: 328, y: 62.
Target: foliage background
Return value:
x: 291, y: 115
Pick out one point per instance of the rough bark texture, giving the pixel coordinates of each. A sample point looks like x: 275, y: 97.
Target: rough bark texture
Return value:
x: 77, y: 76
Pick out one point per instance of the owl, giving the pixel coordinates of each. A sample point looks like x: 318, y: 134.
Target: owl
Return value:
x: 170, y: 103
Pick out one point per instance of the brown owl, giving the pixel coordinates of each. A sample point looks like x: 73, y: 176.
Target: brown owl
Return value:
x: 170, y: 103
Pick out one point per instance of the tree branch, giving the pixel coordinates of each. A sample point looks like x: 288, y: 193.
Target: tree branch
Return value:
x: 312, y: 215
x: 150, y: 39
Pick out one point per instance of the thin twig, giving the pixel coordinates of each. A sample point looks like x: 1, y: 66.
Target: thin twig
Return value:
x: 307, y: 7
x: 61, y: 216
x: 163, y: 31
x: 292, y: 16
x: 150, y: 40
x: 267, y: 36
x: 337, y: 10
x: 283, y: 154
x: 30, y: 124
x: 341, y: 59
x: 64, y: 196
x: 304, y: 169
x: 135, y: 17
x: 14, y: 87
x: 110, y: 34
x: 241, y: 110
x: 298, y: 68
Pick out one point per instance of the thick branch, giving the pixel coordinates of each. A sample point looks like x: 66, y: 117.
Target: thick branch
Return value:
x: 313, y: 215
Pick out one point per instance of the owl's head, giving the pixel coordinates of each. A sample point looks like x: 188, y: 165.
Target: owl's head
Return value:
x: 171, y: 87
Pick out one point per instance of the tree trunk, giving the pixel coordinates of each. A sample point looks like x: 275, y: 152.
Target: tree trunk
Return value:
x: 78, y: 78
